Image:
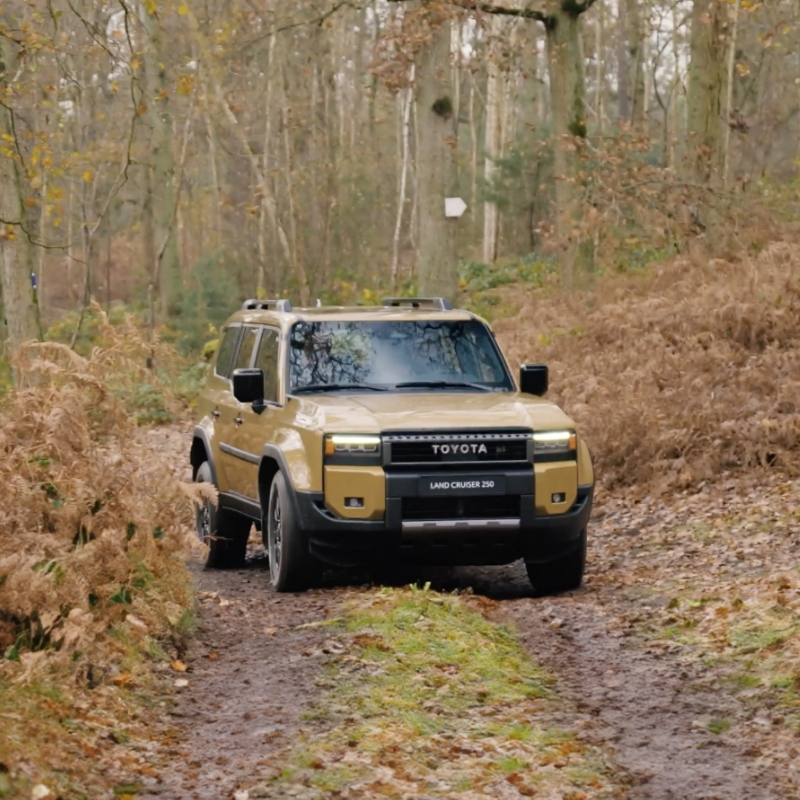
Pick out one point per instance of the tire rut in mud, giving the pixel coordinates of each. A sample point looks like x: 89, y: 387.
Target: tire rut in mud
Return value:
x: 647, y: 710
x: 252, y: 673
x: 651, y: 712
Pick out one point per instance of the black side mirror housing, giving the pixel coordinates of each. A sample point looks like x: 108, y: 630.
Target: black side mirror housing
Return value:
x: 248, y: 387
x: 534, y: 379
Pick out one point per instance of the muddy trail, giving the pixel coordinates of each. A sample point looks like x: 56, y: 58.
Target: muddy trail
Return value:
x: 256, y: 668
x: 256, y: 660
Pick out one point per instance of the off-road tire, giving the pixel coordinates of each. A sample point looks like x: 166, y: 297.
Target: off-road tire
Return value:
x: 224, y: 532
x: 291, y: 567
x: 562, y: 575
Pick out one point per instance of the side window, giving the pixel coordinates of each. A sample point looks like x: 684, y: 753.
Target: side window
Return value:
x: 245, y: 354
x: 227, y: 349
x: 267, y: 360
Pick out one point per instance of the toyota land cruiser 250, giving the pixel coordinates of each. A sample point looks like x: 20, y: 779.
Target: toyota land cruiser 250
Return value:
x: 371, y: 435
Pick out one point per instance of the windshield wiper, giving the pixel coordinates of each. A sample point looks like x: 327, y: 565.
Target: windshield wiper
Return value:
x: 333, y: 387
x: 442, y: 385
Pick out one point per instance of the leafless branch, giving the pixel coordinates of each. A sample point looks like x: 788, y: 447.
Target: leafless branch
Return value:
x: 320, y: 19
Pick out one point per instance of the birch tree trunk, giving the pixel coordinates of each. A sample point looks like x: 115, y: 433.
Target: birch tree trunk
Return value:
x: 494, y: 95
x: 726, y: 149
x: 437, y: 270
x: 599, y: 89
x: 401, y: 197
x: 676, y: 88
x: 623, y: 64
x: 17, y: 293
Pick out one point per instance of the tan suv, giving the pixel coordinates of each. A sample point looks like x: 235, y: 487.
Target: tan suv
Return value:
x: 374, y: 435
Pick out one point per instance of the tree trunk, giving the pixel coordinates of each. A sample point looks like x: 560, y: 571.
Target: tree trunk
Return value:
x: 676, y: 88
x: 567, y: 102
x: 599, y: 88
x: 405, y: 134
x: 623, y: 66
x: 437, y: 270
x: 494, y: 95
x: 707, y: 82
x: 261, y: 283
x: 726, y: 150
x: 15, y: 281
x: 298, y: 267
x: 473, y: 140
x: 636, y: 52
x: 166, y: 271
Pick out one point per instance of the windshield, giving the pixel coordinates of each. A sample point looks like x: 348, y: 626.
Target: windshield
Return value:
x: 396, y: 355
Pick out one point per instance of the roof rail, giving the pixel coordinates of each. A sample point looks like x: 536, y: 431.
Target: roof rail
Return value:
x: 275, y: 305
x: 435, y: 303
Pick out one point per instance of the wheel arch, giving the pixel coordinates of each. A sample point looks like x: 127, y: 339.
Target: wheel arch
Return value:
x: 201, y: 451
x: 272, y: 462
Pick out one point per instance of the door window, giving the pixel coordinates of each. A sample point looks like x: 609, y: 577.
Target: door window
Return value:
x: 267, y: 360
x: 245, y: 354
x: 226, y: 352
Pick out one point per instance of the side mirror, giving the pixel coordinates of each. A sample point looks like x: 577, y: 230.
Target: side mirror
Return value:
x: 248, y: 386
x: 534, y: 379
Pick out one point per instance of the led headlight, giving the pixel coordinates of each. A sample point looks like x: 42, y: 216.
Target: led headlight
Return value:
x: 352, y: 445
x: 549, y: 443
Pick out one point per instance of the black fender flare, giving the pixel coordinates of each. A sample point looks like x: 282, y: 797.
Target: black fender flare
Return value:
x: 273, y: 461
x: 199, y: 434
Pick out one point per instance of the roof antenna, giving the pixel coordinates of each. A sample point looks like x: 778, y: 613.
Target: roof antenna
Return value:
x: 319, y: 303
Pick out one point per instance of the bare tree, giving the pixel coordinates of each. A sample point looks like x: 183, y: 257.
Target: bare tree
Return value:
x: 436, y: 176
x: 707, y: 82
x: 17, y: 293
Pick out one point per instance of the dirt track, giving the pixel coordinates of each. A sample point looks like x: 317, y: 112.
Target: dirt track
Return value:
x: 253, y: 672
x: 255, y: 663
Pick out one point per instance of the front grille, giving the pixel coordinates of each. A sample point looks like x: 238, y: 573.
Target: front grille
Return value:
x: 458, y: 448
x: 481, y: 507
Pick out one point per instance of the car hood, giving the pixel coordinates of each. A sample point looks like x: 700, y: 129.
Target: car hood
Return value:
x: 376, y: 413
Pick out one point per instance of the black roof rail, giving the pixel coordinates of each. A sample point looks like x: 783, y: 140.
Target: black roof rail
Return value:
x: 275, y: 305
x: 435, y: 303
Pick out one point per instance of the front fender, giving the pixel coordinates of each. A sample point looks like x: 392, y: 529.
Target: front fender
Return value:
x: 299, y: 457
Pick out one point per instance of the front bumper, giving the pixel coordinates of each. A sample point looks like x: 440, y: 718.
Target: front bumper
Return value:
x: 539, y: 539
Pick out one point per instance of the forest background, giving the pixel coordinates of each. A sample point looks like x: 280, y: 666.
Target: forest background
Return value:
x: 630, y: 169
x: 176, y: 157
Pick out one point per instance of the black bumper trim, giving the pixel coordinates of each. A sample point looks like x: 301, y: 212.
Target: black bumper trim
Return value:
x: 558, y: 536
x: 351, y: 542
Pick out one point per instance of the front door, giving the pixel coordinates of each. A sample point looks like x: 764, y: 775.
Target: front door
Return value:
x: 232, y: 419
x: 255, y: 430
x: 218, y: 401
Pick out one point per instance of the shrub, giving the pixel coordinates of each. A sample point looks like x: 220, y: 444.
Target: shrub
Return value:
x: 94, y: 528
x: 677, y: 374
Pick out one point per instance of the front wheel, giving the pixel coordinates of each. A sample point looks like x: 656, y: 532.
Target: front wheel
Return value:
x: 291, y: 567
x: 561, y: 575
x: 224, y: 532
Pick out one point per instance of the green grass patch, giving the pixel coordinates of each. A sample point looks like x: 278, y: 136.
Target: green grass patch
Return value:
x: 429, y: 693
x: 719, y: 725
x: 755, y: 640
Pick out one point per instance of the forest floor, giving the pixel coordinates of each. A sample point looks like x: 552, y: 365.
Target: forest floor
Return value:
x: 673, y: 673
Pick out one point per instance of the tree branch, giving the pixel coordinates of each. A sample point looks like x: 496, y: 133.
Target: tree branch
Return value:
x: 317, y: 20
x: 575, y: 7
x: 491, y: 8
